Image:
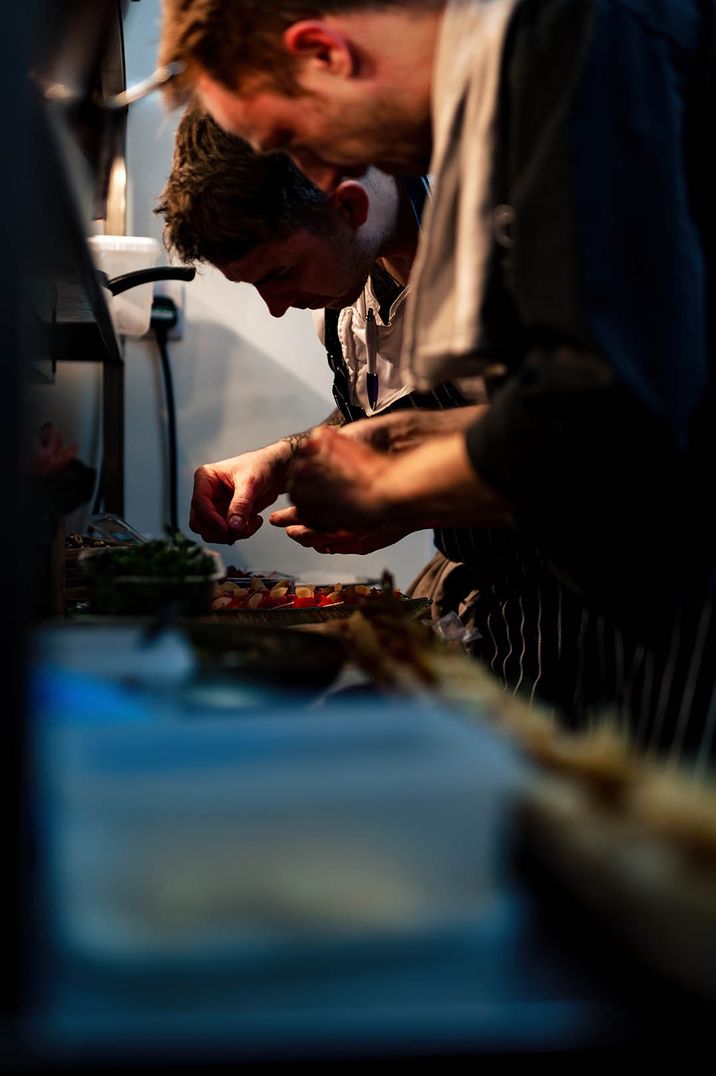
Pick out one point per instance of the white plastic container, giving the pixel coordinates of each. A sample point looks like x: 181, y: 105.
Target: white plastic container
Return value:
x: 294, y: 834
x: 118, y: 254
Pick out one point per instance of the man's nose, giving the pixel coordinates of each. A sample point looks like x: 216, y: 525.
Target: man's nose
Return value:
x: 268, y: 138
x: 326, y: 176
x: 276, y: 307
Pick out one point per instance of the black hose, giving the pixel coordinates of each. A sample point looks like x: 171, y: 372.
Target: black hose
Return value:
x: 118, y: 284
x: 161, y: 333
x: 99, y: 489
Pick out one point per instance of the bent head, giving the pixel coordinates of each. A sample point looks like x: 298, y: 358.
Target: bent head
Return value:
x: 259, y: 220
x: 338, y: 85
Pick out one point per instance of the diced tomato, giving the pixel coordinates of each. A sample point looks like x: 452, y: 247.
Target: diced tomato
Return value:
x: 330, y: 599
x: 283, y: 595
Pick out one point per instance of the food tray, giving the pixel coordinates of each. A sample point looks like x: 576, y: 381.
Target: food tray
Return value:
x: 308, y: 614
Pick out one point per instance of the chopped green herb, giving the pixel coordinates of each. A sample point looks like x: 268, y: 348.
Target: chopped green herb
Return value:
x: 174, y: 557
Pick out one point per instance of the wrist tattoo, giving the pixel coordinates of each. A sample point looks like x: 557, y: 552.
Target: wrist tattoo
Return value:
x: 294, y: 440
x: 334, y: 419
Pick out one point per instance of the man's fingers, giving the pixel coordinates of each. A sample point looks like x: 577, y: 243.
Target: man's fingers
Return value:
x: 50, y: 438
x: 60, y: 458
x: 284, y: 517
x: 205, y: 520
x: 303, y: 535
x: 240, y: 513
x: 210, y: 533
x: 249, y: 528
x: 318, y: 540
x: 332, y: 542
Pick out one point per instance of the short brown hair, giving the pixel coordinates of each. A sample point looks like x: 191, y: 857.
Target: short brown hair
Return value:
x: 222, y: 198
x: 233, y: 39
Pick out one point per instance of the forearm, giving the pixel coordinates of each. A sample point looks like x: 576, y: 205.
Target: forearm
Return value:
x: 292, y: 441
x: 435, y: 485
x: 401, y: 431
x: 419, y: 426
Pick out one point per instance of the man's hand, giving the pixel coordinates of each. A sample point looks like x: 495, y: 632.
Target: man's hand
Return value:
x: 49, y: 454
x: 337, y: 541
x: 332, y: 483
x: 338, y: 484
x: 229, y: 495
x: 401, y: 431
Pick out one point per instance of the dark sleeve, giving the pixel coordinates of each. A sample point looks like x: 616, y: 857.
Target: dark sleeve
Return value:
x: 606, y: 270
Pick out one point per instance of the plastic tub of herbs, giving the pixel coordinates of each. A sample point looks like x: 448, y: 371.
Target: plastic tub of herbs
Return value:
x: 168, y: 574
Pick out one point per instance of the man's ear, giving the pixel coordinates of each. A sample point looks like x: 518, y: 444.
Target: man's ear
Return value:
x: 351, y: 198
x: 317, y: 43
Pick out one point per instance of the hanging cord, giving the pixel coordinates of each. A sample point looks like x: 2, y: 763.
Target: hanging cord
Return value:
x: 164, y: 318
x: 98, y: 498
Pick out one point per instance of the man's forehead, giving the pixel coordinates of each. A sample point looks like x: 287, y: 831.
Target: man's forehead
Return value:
x: 216, y: 97
x: 254, y: 265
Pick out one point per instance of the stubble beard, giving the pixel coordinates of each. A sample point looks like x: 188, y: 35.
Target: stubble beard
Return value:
x: 380, y: 134
x: 400, y: 144
x: 357, y: 264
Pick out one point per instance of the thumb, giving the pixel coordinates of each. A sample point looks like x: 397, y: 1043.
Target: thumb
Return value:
x: 240, y: 510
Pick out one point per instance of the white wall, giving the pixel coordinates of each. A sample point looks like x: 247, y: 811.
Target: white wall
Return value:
x: 241, y: 378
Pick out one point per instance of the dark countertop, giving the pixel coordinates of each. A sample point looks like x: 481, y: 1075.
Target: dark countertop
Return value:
x: 535, y: 974
x: 533, y: 977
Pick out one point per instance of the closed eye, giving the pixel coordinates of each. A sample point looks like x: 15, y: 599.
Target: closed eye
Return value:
x: 275, y: 274
x: 278, y: 142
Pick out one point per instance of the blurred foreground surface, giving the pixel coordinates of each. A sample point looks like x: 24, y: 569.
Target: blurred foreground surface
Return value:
x: 286, y: 881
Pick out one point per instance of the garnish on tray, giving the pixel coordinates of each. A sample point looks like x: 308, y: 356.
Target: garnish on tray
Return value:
x: 254, y: 593
x: 174, y: 557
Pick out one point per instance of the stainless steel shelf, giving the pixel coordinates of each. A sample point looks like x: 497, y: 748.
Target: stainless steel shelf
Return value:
x: 76, y: 320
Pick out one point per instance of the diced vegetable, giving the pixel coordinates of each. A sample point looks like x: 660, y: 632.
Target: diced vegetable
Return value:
x: 255, y: 595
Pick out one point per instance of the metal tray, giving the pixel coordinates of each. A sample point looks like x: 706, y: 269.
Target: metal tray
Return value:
x: 307, y: 615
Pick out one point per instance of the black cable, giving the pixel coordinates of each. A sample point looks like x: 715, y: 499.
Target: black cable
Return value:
x: 162, y: 334
x: 118, y: 284
x: 99, y: 490
x: 164, y: 317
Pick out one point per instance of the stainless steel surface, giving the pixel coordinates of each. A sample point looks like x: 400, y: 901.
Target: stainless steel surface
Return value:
x: 159, y: 77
